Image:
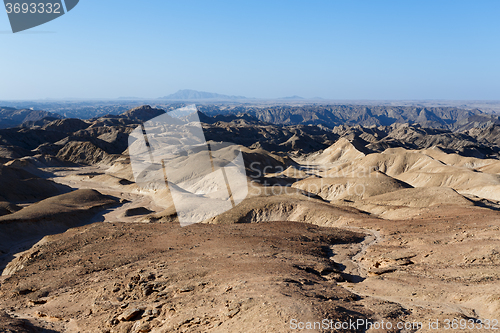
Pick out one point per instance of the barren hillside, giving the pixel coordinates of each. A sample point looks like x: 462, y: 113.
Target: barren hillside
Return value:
x: 394, y: 223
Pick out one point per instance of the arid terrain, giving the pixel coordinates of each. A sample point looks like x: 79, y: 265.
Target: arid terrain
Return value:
x: 384, y: 223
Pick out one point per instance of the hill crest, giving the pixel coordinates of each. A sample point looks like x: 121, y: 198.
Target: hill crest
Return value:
x: 189, y: 94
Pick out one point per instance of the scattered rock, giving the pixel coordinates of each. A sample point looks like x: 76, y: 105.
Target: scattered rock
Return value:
x: 36, y: 302
x: 130, y: 314
x: 137, y: 211
x: 40, y: 314
x: 23, y: 290
x: 380, y: 271
x: 186, y: 289
x: 233, y: 312
x: 147, y: 290
x: 141, y: 327
x: 335, y: 277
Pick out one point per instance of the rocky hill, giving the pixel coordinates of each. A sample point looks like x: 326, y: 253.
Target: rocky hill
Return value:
x: 333, y: 115
x: 103, y: 139
x: 10, y: 117
x: 142, y: 113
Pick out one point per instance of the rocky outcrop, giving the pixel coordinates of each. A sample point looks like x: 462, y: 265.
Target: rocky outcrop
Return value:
x: 84, y: 153
x: 142, y: 113
x: 10, y: 117
x: 69, y: 125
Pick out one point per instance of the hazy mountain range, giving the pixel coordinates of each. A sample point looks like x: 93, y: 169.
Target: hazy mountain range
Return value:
x: 89, y: 141
x: 188, y: 94
x: 10, y: 117
x: 191, y: 95
x: 334, y: 115
x: 449, y: 118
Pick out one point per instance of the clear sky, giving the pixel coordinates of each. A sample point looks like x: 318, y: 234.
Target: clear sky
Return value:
x: 373, y: 49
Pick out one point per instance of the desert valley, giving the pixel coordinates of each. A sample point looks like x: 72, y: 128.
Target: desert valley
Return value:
x: 354, y: 214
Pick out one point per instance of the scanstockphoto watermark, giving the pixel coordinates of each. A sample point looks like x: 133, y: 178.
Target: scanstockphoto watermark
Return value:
x: 361, y: 324
x: 169, y: 154
x: 351, y: 181
x: 24, y: 15
x: 327, y: 169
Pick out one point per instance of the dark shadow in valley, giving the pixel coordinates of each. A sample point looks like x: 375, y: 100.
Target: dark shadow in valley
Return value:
x: 21, y: 230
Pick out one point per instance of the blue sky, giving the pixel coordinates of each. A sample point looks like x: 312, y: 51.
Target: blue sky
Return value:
x: 375, y: 49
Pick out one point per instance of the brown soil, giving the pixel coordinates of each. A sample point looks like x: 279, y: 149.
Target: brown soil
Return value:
x: 201, y: 278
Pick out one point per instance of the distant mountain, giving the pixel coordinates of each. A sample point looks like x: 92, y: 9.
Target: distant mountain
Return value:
x: 130, y: 98
x: 10, y: 117
x: 188, y: 94
x: 142, y: 113
x: 101, y: 140
x: 294, y: 97
x: 450, y: 118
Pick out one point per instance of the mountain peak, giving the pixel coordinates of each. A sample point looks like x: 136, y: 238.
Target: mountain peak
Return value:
x: 189, y: 94
x: 294, y: 97
x: 142, y: 113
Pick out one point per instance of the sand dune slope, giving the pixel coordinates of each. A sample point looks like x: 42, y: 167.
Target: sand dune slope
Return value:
x: 49, y: 216
x: 350, y: 188
x: 418, y: 168
x: 340, y: 151
x: 421, y: 197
